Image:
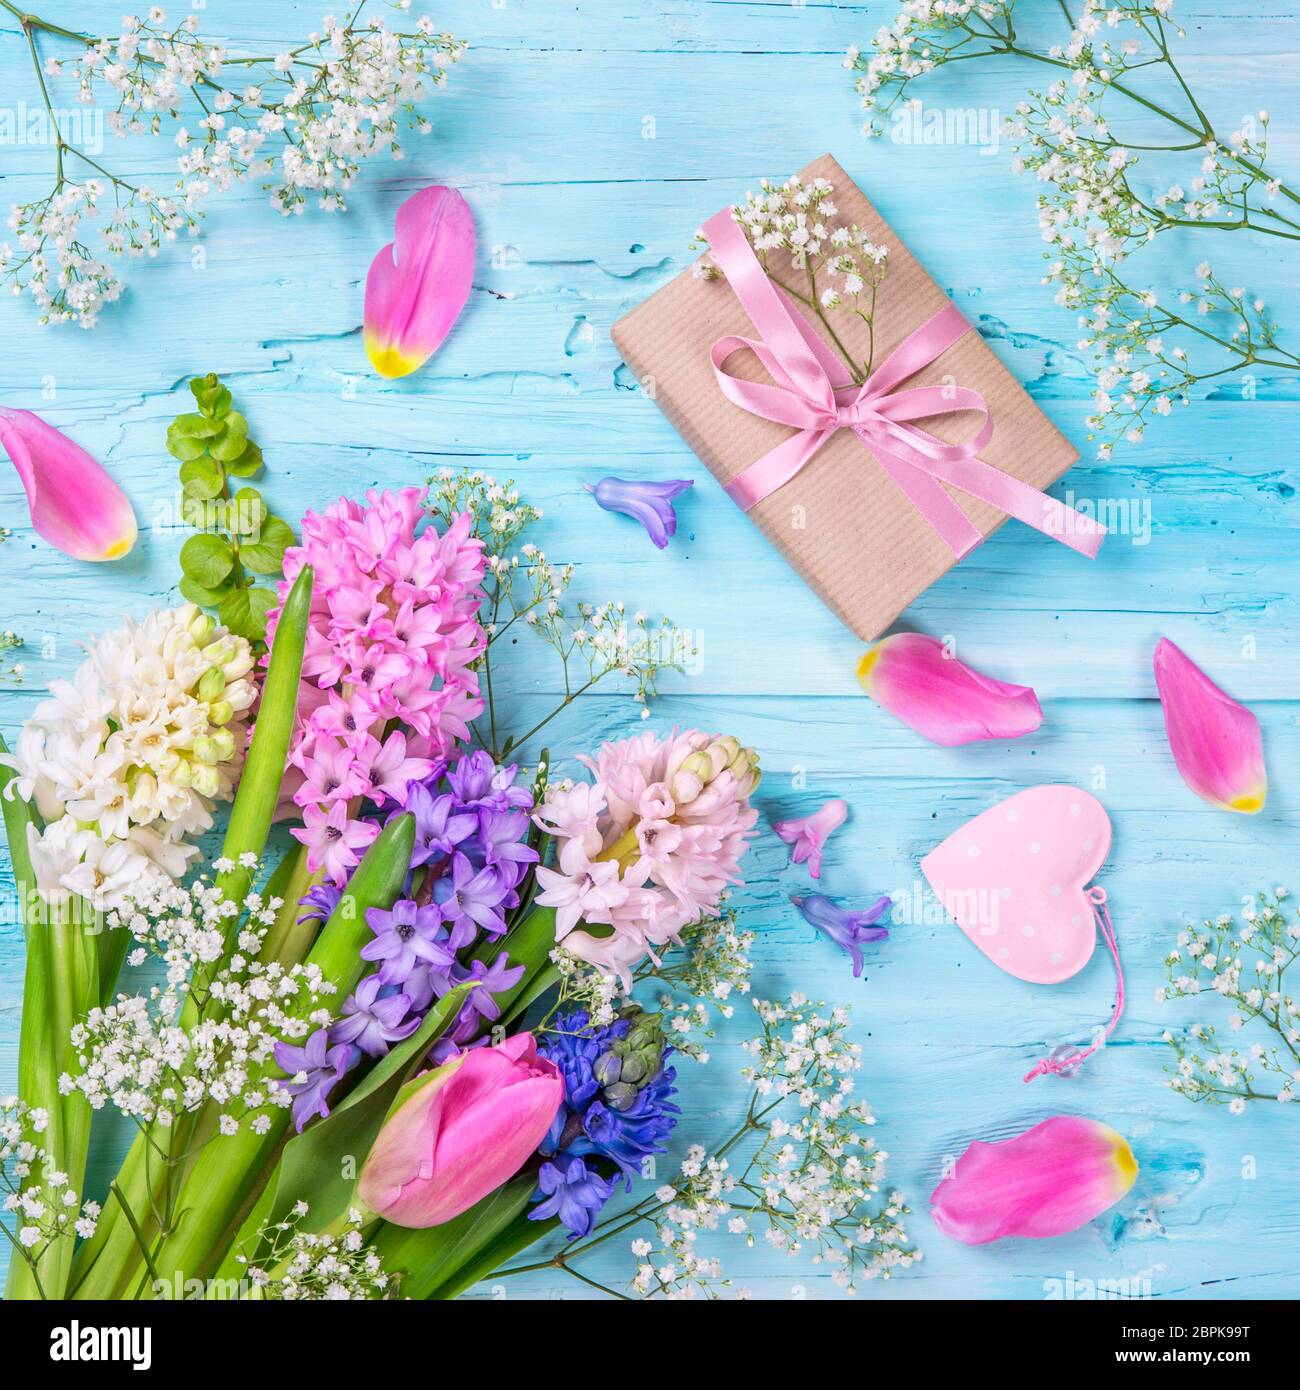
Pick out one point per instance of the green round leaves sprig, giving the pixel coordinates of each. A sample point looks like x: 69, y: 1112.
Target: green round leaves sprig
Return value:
x: 239, y: 538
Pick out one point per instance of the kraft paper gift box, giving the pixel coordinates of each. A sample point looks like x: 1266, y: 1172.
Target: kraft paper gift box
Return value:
x: 842, y: 521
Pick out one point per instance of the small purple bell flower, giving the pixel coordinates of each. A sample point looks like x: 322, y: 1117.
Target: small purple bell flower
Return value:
x: 649, y: 503
x: 848, y: 930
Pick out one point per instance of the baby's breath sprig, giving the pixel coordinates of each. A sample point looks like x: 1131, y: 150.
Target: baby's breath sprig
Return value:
x: 294, y: 1265
x: 830, y: 265
x: 1245, y: 966
x: 204, y: 1040
x: 40, y: 1205
x: 1097, y: 205
x: 801, y: 1172
x: 11, y: 672
x: 523, y: 588
x: 302, y: 121
x: 699, y: 977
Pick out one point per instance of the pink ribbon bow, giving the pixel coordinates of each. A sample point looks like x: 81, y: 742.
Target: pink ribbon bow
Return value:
x: 815, y: 394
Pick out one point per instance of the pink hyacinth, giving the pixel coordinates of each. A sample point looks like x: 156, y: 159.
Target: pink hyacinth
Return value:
x: 649, y: 846
x: 387, y: 687
x: 807, y: 835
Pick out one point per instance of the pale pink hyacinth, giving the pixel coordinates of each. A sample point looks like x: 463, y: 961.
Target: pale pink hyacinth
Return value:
x: 807, y: 835
x: 649, y: 846
x: 393, y: 634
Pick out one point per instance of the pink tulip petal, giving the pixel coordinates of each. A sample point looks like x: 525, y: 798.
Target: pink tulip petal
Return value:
x: 74, y: 504
x: 403, y: 1151
x: 473, y: 1125
x: 1216, y: 742
x: 418, y: 284
x: 943, y: 699
x: 1047, y: 1181
x: 808, y: 834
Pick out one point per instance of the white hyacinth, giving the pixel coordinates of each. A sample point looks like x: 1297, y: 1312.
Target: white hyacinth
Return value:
x: 124, y: 761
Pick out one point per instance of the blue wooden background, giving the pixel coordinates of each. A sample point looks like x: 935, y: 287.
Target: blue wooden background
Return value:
x: 580, y: 215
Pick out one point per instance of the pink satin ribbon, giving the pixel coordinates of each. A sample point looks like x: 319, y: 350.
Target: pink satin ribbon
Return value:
x: 815, y: 394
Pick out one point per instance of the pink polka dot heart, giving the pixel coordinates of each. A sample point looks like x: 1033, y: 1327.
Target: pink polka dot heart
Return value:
x: 1015, y: 880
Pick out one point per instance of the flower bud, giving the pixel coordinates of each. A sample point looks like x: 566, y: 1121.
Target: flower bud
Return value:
x: 211, y: 684
x: 240, y: 664
x: 181, y: 774
x: 201, y: 628
x: 633, y: 1069
x: 205, y: 780
x: 224, y: 742
x: 691, y: 778
x: 221, y: 713
x: 607, y: 1068
x: 205, y: 750
x: 620, y: 1096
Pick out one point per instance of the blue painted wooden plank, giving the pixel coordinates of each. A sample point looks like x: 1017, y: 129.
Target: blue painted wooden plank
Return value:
x: 579, y: 217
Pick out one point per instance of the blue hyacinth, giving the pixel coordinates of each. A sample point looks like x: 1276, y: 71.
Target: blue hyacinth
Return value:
x: 617, y: 1112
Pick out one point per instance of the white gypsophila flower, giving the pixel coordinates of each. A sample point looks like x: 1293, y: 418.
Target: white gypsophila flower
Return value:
x: 1217, y: 956
x: 125, y: 760
x: 301, y: 121
x: 522, y: 584
x: 38, y: 1202
x: 138, y: 1055
x: 803, y: 1175
x: 1097, y: 203
x: 296, y: 1265
x: 813, y: 258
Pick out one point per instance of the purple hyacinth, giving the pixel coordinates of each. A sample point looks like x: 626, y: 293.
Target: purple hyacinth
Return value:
x: 374, y: 1017
x: 440, y: 824
x: 649, y: 503
x: 847, y: 929
x: 313, y: 1070
x: 405, y: 937
x: 478, y: 782
x: 319, y: 902
x: 470, y: 898
x: 470, y: 860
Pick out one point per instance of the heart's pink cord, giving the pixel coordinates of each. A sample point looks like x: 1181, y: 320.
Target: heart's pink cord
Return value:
x: 1068, y: 1065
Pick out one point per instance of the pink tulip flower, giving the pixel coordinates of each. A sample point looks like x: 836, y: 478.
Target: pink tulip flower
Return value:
x: 464, y: 1129
x: 1216, y: 742
x: 74, y: 504
x: 808, y: 834
x: 944, y: 700
x: 1049, y: 1180
x: 418, y: 284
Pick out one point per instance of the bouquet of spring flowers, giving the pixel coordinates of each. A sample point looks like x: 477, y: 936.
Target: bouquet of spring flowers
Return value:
x: 386, y: 1064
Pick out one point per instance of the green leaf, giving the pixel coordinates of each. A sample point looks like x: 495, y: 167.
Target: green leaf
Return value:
x: 185, y: 448
x: 194, y: 427
x: 248, y: 463
x: 232, y: 443
x: 244, y: 612
x: 440, y: 1261
x: 259, y: 786
x: 248, y: 512
x: 203, y: 514
x: 212, y: 396
x: 196, y: 593
x: 207, y: 559
x: 266, y: 554
x: 201, y: 478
